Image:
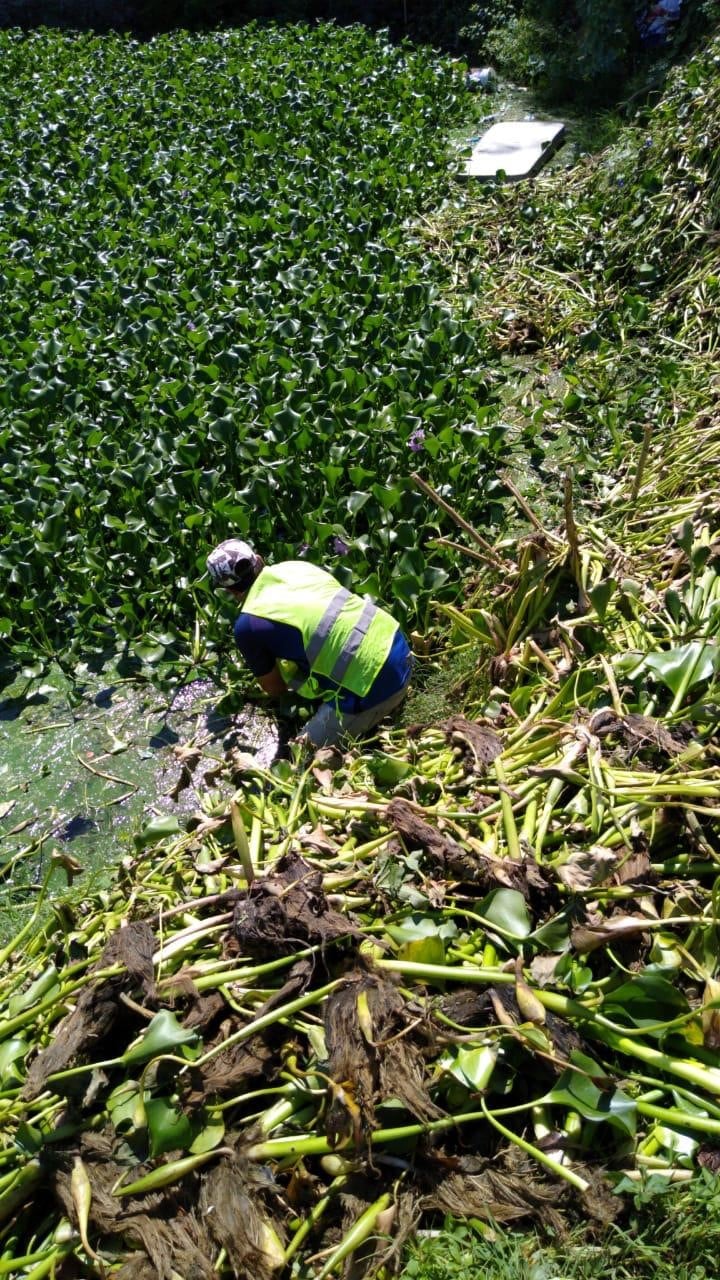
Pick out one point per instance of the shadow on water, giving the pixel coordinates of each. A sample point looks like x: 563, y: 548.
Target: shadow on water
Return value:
x: 166, y: 737
x: 80, y: 825
x: 105, y: 696
x: 128, y: 665
x: 11, y: 708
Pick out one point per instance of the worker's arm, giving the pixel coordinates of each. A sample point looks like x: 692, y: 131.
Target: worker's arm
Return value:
x: 256, y: 640
x: 272, y: 683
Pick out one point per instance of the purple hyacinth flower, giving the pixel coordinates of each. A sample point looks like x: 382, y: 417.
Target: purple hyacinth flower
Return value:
x: 415, y: 443
x: 339, y: 547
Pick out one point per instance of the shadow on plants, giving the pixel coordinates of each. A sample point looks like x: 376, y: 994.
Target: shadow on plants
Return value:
x: 591, y: 50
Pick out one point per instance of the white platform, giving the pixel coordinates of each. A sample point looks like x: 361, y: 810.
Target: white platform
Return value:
x: 518, y: 147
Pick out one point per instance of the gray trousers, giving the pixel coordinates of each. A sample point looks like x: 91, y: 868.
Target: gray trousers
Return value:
x: 328, y: 726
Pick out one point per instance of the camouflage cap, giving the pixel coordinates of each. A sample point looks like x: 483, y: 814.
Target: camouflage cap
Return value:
x: 233, y: 564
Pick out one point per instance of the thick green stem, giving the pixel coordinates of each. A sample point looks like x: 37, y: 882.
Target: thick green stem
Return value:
x: 508, y: 817
x: 222, y: 977
x: 674, y: 1117
x: 560, y: 1171
x: 313, y: 1217
x: 49, y: 1265
x: 275, y: 1015
x: 310, y: 1145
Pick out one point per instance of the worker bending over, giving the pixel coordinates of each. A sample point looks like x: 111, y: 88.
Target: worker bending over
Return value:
x: 299, y: 629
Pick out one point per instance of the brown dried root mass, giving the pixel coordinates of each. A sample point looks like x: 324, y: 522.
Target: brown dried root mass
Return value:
x: 99, y: 1005
x: 374, y: 1052
x: 241, y: 1066
x: 287, y: 910
x: 204, y: 1012
x: 472, y: 1008
x: 450, y: 860
x: 466, y: 1006
x: 504, y: 1189
x: 446, y: 855
x: 641, y: 733
x: 180, y: 1229
x: 136, y: 1267
x: 481, y: 745
x: 296, y: 983
x: 532, y: 881
x: 161, y: 1225
x: 233, y: 1209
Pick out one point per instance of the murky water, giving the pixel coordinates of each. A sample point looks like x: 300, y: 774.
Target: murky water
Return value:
x: 81, y: 769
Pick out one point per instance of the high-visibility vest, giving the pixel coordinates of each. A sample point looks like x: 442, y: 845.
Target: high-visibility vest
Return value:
x: 345, y: 637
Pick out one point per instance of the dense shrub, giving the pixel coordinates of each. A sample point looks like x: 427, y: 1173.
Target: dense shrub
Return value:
x: 587, y: 50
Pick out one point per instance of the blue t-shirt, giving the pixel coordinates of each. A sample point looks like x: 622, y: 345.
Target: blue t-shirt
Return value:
x: 262, y: 642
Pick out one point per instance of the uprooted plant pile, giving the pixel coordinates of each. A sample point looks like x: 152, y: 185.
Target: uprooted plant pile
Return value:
x: 469, y: 970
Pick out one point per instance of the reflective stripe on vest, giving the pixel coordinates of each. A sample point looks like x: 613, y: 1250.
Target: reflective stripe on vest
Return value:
x: 353, y: 642
x: 324, y: 627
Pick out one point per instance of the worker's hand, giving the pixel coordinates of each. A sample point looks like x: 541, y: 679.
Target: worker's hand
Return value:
x: 273, y: 683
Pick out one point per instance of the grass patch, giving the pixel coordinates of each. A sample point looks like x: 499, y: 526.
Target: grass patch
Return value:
x: 437, y: 686
x: 669, y: 1233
